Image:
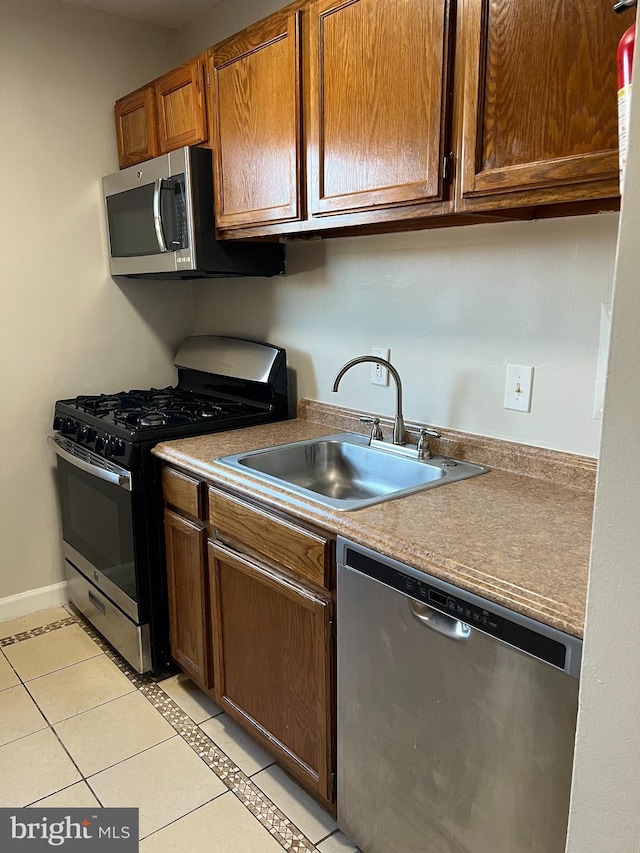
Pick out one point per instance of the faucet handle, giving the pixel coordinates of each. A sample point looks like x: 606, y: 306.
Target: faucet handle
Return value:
x: 376, y: 431
x: 424, y: 451
x: 432, y: 432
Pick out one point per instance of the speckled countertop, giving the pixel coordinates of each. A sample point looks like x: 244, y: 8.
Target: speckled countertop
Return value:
x: 519, y: 540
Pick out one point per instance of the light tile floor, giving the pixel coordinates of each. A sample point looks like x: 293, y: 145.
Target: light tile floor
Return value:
x: 79, y: 728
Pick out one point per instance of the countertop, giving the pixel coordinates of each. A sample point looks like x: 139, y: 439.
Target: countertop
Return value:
x: 517, y: 540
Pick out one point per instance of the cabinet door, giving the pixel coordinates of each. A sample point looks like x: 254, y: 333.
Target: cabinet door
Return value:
x: 256, y: 123
x: 272, y: 643
x: 377, y: 103
x: 136, y: 127
x: 181, y: 111
x: 188, y: 598
x: 540, y: 108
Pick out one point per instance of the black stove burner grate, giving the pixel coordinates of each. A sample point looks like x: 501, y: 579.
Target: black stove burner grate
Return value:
x: 103, y: 404
x: 159, y: 407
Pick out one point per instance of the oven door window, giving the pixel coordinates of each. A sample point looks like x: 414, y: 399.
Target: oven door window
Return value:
x: 97, y: 521
x: 133, y: 228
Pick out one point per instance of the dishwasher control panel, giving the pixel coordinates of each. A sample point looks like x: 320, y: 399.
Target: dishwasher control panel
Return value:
x: 435, y: 594
x: 462, y: 610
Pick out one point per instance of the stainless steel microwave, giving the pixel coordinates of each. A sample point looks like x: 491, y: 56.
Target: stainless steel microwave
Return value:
x: 160, y: 223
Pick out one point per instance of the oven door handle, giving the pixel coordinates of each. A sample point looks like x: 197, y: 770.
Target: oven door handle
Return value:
x: 118, y: 477
x: 157, y: 215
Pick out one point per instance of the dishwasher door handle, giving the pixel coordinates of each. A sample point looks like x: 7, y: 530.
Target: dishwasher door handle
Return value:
x: 440, y: 622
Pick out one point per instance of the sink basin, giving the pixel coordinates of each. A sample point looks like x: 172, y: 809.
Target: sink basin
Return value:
x: 344, y: 472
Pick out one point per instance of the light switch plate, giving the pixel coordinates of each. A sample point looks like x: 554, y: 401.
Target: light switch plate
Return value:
x: 517, y: 394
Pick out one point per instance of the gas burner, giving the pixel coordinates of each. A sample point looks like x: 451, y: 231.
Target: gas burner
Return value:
x: 208, y: 412
x: 103, y: 404
x: 146, y: 418
x: 178, y: 415
x: 152, y: 419
x: 161, y: 399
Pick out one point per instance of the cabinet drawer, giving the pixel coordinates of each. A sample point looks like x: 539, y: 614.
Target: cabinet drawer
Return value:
x: 302, y: 552
x: 182, y: 492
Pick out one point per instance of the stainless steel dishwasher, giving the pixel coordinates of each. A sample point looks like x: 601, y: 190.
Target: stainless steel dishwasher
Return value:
x: 456, y: 717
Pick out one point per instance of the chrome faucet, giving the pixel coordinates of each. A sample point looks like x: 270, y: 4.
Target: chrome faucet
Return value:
x: 398, y: 424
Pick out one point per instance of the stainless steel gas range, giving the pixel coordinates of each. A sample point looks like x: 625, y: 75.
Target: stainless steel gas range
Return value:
x: 109, y: 482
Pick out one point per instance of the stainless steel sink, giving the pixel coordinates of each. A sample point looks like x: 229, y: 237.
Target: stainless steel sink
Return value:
x: 344, y: 472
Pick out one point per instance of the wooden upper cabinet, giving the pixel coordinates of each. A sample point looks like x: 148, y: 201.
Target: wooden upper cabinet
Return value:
x: 163, y: 116
x: 180, y: 106
x: 539, y: 101
x: 256, y: 138
x: 377, y: 103
x: 136, y: 127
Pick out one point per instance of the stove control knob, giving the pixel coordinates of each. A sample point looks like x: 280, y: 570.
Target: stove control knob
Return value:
x: 99, y: 445
x: 113, y: 446
x: 117, y: 447
x: 57, y: 423
x: 86, y: 434
x: 69, y: 425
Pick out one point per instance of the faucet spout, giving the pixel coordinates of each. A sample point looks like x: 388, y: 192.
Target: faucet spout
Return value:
x: 398, y: 424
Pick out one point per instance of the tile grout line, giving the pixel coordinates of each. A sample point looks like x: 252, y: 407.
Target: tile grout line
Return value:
x: 38, y: 632
x: 279, y: 826
x: 55, y: 793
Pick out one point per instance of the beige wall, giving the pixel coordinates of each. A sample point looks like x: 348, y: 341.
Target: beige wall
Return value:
x: 222, y: 21
x: 455, y: 306
x: 67, y: 327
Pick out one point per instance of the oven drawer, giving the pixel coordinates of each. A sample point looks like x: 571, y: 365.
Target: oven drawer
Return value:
x: 182, y: 492
x: 303, y: 552
x: 131, y: 640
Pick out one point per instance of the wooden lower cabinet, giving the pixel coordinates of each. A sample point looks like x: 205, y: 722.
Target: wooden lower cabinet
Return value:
x: 252, y: 622
x: 188, y: 596
x: 273, y: 657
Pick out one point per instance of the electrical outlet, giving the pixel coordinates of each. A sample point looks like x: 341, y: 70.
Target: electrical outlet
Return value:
x: 379, y: 373
x: 517, y: 393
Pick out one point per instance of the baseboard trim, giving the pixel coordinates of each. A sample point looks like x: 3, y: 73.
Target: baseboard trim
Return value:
x: 33, y: 600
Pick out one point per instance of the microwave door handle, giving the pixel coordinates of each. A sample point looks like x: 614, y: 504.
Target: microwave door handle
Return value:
x: 122, y: 479
x: 157, y: 215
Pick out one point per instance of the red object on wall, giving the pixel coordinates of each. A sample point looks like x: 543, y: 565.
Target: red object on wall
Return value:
x: 625, y: 73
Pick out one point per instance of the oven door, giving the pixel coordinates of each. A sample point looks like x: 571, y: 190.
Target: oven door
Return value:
x: 96, y: 505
